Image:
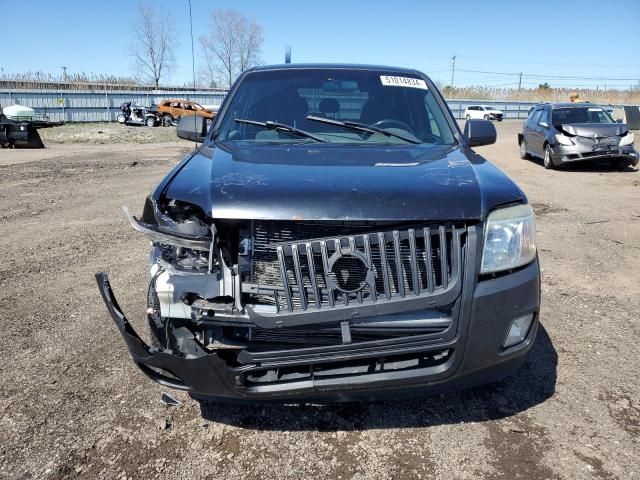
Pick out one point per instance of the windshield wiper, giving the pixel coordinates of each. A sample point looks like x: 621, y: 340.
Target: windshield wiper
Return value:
x: 362, y: 127
x: 281, y: 127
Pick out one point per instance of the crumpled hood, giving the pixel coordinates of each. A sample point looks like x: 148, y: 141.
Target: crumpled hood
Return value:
x: 594, y: 129
x: 333, y: 182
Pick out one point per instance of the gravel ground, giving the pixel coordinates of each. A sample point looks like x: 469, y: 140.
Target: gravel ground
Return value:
x: 107, y: 133
x: 74, y: 406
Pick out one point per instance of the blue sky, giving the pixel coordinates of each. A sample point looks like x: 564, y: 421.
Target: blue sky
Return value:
x: 560, y: 38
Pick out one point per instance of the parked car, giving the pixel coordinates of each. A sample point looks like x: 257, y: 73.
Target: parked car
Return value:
x: 334, y: 237
x: 173, y: 109
x: 483, y: 111
x: 138, y: 115
x: 565, y: 133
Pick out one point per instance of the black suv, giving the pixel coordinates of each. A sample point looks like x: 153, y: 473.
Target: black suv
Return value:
x: 334, y: 237
x: 573, y: 132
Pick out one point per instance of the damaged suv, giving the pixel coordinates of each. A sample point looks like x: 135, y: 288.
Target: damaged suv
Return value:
x: 334, y: 237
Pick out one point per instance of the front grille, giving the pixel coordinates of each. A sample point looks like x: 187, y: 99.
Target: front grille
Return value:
x: 300, y: 265
x: 601, y: 142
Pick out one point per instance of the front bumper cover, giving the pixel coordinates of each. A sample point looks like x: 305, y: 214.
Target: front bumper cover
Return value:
x: 579, y: 153
x: 478, y: 357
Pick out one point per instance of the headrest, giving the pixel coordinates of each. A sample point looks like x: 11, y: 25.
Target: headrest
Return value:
x: 329, y: 105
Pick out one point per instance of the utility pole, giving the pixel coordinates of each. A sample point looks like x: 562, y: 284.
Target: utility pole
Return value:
x: 520, y: 82
x: 64, y: 73
x: 453, y: 68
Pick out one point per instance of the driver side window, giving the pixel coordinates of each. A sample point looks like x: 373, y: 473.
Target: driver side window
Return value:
x: 535, y: 117
x: 544, y: 117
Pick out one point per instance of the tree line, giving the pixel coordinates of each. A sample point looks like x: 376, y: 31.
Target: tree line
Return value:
x: 232, y: 45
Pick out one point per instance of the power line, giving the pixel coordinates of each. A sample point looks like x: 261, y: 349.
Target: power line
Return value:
x: 494, y: 59
x: 549, y: 77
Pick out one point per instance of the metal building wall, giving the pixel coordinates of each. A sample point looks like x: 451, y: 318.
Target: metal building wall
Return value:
x: 95, y: 105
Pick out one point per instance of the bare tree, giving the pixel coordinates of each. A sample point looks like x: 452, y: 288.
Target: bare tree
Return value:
x: 233, y: 45
x: 153, y: 50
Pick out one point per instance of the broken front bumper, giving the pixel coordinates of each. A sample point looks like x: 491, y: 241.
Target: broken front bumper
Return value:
x: 579, y: 153
x: 475, y: 355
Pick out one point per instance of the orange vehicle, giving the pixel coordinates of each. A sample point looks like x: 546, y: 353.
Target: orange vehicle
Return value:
x: 173, y: 109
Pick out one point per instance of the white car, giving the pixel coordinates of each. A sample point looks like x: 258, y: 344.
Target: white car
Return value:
x: 483, y: 111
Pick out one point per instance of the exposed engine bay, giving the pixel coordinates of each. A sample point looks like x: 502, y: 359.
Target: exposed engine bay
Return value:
x: 223, y: 281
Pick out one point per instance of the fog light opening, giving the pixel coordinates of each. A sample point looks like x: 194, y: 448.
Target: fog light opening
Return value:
x: 518, y: 330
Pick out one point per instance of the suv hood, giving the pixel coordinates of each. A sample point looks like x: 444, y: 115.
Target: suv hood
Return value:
x: 334, y: 182
x: 594, y: 129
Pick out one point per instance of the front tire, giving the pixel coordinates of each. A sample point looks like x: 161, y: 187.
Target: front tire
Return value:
x: 548, y: 160
x: 150, y: 122
x: 121, y: 118
x: 523, y: 150
x: 468, y: 117
x: 486, y: 117
x: 167, y: 120
x: 621, y: 165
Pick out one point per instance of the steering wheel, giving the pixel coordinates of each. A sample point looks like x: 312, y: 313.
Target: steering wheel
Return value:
x: 391, y: 122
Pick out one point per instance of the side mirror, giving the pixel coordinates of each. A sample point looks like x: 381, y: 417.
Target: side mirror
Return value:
x: 618, y: 120
x: 543, y: 124
x: 479, y: 132
x: 192, y: 127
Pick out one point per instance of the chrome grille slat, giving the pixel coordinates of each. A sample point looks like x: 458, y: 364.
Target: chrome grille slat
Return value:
x: 296, y: 266
x: 443, y: 257
x: 325, y: 264
x: 384, y: 265
x: 312, y: 274
x: 285, y: 279
x: 398, y: 261
x: 428, y: 259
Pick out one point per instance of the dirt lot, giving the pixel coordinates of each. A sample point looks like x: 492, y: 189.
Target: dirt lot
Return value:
x: 74, y: 406
x: 107, y: 133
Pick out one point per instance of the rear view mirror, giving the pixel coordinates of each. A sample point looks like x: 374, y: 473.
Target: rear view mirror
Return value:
x: 192, y: 127
x: 479, y: 132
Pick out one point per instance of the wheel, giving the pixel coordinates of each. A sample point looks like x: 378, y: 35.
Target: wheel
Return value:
x: 523, y: 150
x: 486, y: 117
x: 121, y: 118
x: 150, y: 122
x: 468, y: 117
x: 621, y: 164
x: 167, y: 120
x: 548, y: 161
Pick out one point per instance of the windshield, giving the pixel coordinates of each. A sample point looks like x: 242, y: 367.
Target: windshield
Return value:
x: 565, y: 116
x: 400, y: 107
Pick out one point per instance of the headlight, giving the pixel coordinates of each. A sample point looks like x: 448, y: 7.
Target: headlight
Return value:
x: 627, y: 139
x: 510, y: 239
x: 563, y: 140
